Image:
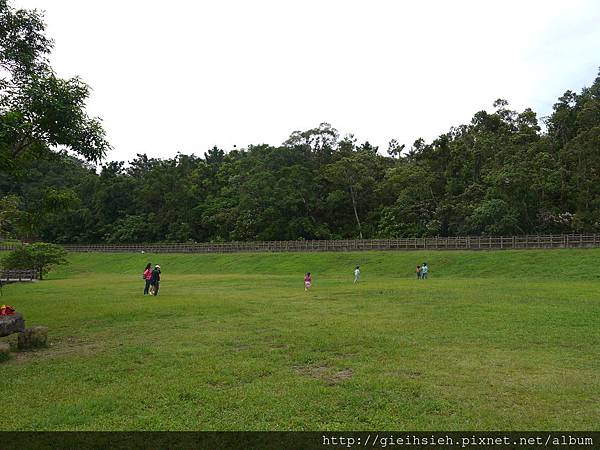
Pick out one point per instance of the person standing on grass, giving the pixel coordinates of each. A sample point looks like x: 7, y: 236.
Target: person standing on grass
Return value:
x: 155, y: 280
x: 418, y: 271
x: 424, y: 271
x: 307, y: 281
x: 147, y: 276
x: 356, y: 274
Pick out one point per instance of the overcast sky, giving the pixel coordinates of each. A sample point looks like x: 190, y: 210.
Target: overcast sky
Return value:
x: 186, y: 75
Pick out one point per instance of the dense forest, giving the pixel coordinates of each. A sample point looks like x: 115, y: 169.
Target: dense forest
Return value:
x: 501, y: 174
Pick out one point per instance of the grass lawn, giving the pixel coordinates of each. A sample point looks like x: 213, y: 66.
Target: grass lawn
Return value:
x: 493, y: 340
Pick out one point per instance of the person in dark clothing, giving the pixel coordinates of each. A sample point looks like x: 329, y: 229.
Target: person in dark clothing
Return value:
x: 155, y: 280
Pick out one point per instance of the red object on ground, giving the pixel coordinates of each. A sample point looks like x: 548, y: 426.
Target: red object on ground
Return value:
x: 6, y: 310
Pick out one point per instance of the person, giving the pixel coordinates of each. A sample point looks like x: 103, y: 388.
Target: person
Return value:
x: 147, y: 276
x: 155, y: 280
x: 356, y: 274
x: 418, y: 272
x: 424, y: 271
x: 307, y: 281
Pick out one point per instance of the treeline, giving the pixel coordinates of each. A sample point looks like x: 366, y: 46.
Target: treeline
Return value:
x: 501, y: 174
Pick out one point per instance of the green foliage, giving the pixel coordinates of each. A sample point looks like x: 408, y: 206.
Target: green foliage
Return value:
x: 494, y: 217
x: 38, y: 110
x: 9, y: 212
x: 130, y: 229
x: 39, y: 256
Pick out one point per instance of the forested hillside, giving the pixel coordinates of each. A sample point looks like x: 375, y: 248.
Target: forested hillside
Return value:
x: 505, y: 172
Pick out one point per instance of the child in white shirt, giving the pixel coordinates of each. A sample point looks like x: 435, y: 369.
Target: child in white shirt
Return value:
x: 356, y: 274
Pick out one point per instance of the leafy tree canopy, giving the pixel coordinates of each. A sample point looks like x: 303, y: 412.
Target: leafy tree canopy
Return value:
x: 39, y: 112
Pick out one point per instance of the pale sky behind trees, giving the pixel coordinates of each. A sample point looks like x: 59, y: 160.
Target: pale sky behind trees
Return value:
x: 184, y: 76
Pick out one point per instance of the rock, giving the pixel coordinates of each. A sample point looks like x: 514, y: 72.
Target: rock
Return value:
x: 11, y: 324
x: 4, y: 351
x: 33, y: 337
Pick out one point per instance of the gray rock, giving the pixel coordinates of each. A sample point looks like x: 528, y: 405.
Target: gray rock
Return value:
x: 33, y: 337
x: 4, y: 351
x: 11, y: 324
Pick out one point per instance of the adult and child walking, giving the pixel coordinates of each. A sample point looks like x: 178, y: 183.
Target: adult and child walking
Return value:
x: 152, y: 279
x: 422, y: 271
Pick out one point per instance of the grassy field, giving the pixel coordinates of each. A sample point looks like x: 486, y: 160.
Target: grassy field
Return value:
x: 493, y: 340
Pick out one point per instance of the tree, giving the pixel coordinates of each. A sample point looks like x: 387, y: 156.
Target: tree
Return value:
x: 9, y: 210
x: 322, y: 140
x: 395, y: 149
x: 39, y: 112
x: 353, y: 176
x: 494, y: 217
x: 39, y: 256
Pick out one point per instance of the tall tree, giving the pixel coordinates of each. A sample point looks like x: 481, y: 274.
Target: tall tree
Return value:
x: 39, y: 112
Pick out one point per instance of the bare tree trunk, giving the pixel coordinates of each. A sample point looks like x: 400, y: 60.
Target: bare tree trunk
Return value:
x: 355, y: 212
x: 308, y: 211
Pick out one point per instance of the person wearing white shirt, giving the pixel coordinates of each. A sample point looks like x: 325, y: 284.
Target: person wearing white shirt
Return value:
x: 356, y: 274
x: 424, y: 271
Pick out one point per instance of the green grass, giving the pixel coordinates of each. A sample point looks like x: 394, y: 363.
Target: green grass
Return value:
x: 493, y: 340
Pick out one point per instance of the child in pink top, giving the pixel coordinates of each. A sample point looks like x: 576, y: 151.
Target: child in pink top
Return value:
x: 307, y: 281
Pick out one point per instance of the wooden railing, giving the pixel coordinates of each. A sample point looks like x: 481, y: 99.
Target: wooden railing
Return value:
x: 18, y: 275
x: 429, y: 243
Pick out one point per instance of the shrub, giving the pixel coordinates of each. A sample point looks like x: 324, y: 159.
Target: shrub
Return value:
x: 40, y: 256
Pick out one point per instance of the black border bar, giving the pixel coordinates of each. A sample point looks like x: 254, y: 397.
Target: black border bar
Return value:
x: 322, y: 440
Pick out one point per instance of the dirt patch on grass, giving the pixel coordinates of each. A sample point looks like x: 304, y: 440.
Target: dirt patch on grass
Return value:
x: 312, y: 371
x: 342, y: 375
x: 322, y: 371
x: 70, y: 346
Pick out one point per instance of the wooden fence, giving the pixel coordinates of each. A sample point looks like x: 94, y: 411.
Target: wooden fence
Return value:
x: 430, y: 243
x: 9, y: 276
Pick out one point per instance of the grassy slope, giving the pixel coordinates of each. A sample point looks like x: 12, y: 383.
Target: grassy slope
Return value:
x: 572, y: 264
x: 494, y: 340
